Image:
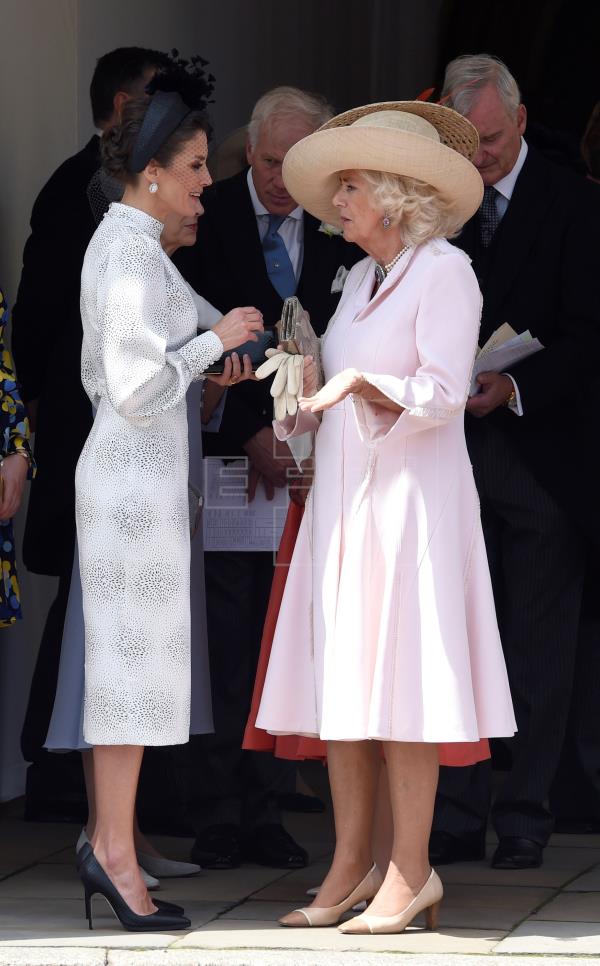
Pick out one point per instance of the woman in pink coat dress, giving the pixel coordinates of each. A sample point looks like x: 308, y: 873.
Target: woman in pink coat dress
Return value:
x: 387, y: 631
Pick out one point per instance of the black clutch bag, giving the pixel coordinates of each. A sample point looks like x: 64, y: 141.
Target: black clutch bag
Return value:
x: 256, y: 351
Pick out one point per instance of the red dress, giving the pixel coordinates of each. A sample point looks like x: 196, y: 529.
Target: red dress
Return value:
x: 294, y: 746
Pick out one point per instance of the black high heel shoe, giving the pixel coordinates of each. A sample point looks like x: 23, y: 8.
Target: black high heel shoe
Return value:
x: 96, y: 882
x: 162, y: 904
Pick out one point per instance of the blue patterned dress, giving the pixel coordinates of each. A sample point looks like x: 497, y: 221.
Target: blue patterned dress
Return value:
x: 15, y: 436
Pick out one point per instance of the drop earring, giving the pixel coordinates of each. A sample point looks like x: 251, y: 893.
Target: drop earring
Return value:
x: 153, y: 188
x: 386, y: 221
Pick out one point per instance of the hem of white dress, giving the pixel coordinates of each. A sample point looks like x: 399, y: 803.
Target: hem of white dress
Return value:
x: 138, y: 741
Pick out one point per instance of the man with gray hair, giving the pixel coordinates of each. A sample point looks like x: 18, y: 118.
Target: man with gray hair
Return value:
x: 534, y: 245
x: 255, y: 244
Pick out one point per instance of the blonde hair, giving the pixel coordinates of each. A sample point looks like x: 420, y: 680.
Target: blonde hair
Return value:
x: 288, y: 102
x: 419, y: 209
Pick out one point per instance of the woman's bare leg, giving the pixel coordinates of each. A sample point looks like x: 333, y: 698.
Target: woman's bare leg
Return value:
x: 116, y: 771
x: 383, y: 827
x: 413, y: 775
x: 353, y: 768
x: 87, y: 760
x: 142, y: 844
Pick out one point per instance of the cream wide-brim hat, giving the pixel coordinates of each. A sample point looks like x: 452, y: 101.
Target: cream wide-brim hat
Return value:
x: 429, y: 142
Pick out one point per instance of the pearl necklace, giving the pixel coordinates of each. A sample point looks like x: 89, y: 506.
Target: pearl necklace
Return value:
x: 382, y: 271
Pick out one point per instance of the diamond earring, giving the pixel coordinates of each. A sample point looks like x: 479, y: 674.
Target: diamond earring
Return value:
x: 153, y: 188
x: 386, y: 222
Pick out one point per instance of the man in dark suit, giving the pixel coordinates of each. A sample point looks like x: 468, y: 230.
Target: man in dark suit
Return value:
x: 46, y: 343
x: 255, y: 246
x: 534, y: 246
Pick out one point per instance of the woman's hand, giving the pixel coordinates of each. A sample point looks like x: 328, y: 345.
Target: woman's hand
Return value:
x: 333, y: 392
x: 14, y: 473
x: 239, y: 326
x: 233, y: 371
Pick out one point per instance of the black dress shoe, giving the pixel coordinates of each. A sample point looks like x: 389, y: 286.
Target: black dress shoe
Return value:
x: 271, y: 845
x: 445, y: 848
x: 516, y: 853
x: 297, y: 802
x: 218, y: 847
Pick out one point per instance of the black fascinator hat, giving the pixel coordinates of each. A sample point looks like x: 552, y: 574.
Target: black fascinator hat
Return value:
x: 178, y: 88
x: 188, y: 78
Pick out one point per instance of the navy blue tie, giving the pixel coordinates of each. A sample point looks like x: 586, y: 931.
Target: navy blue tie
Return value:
x: 277, y: 260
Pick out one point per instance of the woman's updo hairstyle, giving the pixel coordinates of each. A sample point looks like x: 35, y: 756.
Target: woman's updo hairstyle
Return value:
x: 120, y: 144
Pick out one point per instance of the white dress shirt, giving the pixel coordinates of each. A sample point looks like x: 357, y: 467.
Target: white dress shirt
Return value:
x: 291, y: 230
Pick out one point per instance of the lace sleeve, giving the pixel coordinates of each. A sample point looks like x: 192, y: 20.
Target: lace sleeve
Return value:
x: 143, y: 377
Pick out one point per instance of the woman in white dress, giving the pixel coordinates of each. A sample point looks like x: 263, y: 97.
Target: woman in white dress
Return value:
x: 140, y: 353
x: 205, y: 403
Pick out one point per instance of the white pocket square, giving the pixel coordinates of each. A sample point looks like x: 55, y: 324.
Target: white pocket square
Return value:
x: 340, y: 277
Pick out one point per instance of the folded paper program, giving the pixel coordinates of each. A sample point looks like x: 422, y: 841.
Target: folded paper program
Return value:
x: 503, y: 349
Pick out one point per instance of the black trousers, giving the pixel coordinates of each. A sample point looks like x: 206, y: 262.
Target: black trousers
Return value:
x: 230, y: 785
x: 537, y: 563
x: 575, y: 792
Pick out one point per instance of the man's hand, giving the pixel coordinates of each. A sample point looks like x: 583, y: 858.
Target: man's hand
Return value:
x: 496, y: 388
x: 269, y: 459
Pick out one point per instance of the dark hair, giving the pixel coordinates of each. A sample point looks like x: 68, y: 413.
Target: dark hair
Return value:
x: 120, y: 70
x: 118, y: 142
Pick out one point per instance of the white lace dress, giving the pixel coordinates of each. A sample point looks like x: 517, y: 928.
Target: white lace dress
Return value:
x: 140, y: 353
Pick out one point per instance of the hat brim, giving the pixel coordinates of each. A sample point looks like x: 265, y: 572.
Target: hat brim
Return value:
x: 311, y: 167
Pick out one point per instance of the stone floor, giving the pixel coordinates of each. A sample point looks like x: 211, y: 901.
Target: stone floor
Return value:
x: 487, y: 916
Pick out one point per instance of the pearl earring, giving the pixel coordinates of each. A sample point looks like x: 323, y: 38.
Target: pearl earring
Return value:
x: 153, y: 188
x: 386, y: 222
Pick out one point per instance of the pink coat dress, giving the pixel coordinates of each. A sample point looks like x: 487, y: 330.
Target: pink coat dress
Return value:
x: 387, y: 628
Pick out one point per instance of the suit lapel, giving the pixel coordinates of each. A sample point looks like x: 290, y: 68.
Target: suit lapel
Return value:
x: 237, y: 228
x: 516, y: 235
x: 311, y: 262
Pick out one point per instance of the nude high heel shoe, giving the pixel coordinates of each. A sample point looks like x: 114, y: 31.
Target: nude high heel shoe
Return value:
x: 427, y: 900
x: 330, y: 915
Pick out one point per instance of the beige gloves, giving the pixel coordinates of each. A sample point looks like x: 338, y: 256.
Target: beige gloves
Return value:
x: 287, y: 384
